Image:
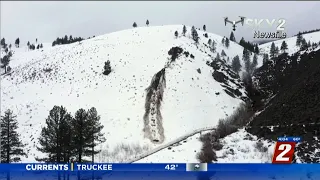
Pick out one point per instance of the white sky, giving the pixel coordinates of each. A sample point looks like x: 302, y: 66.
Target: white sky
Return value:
x: 46, y: 21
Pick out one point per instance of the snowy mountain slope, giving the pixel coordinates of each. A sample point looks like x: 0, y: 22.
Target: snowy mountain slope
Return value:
x: 292, y: 48
x: 71, y: 75
x: 239, y: 147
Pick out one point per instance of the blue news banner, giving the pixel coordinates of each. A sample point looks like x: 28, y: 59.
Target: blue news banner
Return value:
x: 41, y: 171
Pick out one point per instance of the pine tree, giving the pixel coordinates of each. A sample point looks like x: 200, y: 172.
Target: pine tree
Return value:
x: 284, y: 46
x: 55, y: 139
x: 107, y: 68
x: 65, y: 40
x: 3, y: 42
x: 176, y: 34
x: 223, y: 53
x: 36, y: 40
x: 184, y: 30
x: 265, y: 58
x: 135, y: 25
x: 309, y: 44
x: 277, y: 50
x: 299, y: 39
x: 256, y: 49
x: 242, y: 42
x: 304, y: 44
x: 81, y: 134
x: 97, y: 137
x: 209, y: 42
x: 254, y: 62
x: 41, y: 46
x: 38, y: 46
x: 194, y: 34
x: 70, y: 39
x: 236, y: 65
x: 232, y: 38
x: 5, y: 61
x: 213, y: 46
x: 222, y: 41
x: 147, y: 23
x: 204, y: 28
x: 10, y: 46
x: 217, y: 57
x: 227, y: 42
x: 11, y: 145
x: 246, y: 59
x: 273, y: 50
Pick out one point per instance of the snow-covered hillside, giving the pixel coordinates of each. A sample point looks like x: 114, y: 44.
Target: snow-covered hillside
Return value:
x: 292, y: 48
x: 71, y: 75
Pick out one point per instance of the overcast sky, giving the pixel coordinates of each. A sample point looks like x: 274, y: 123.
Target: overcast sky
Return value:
x: 49, y: 20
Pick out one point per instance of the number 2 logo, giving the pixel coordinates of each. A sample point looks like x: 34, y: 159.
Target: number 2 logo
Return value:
x: 285, y: 148
x: 283, y: 152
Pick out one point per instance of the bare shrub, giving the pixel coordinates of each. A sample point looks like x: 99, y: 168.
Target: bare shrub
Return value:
x: 206, y: 155
x: 122, y: 152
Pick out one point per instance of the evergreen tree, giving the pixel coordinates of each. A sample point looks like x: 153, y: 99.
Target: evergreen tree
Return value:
x: 273, y: 50
x: 254, y: 62
x: 242, y: 42
x: 55, y: 139
x: 227, y: 42
x: 265, y: 58
x: 194, y: 34
x: 256, y: 49
x: 223, y: 53
x: 204, y: 28
x: 213, y: 46
x: 5, y: 61
x: 176, y: 34
x: 41, y: 46
x: 309, y: 44
x: 246, y: 59
x: 147, y: 23
x: 217, y: 57
x: 135, y: 25
x: 65, y: 40
x: 236, y: 65
x: 6, y: 50
x: 70, y: 39
x: 299, y: 39
x: 3, y: 42
x: 209, y: 42
x: 38, y: 46
x: 277, y: 50
x: 184, y: 30
x: 97, y: 137
x: 10, y: 46
x: 107, y: 68
x: 284, y: 46
x: 304, y: 44
x: 232, y: 38
x: 81, y: 134
x: 36, y: 40
x: 222, y: 41
x: 11, y: 145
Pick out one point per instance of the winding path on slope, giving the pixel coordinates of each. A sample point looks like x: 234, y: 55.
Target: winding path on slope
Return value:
x: 177, y: 140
